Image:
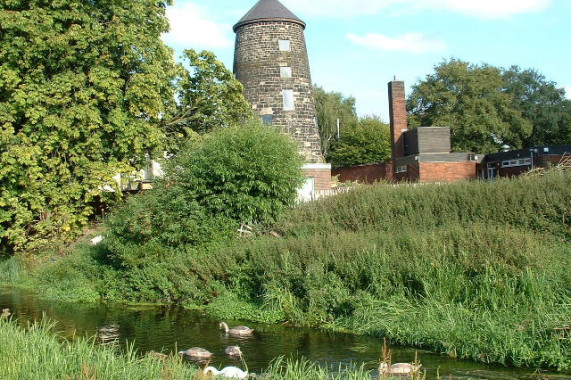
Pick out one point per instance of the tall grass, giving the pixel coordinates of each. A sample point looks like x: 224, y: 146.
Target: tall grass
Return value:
x: 37, y: 354
x: 539, y: 203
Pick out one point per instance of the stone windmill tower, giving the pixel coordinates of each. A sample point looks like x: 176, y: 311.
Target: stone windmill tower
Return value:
x: 271, y: 62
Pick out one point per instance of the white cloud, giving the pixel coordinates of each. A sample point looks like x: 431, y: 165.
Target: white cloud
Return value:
x: 487, y: 9
x: 192, y: 28
x: 410, y: 42
x: 567, y: 92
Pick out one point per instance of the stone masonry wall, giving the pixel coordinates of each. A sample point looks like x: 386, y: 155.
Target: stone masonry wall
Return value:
x: 257, y: 62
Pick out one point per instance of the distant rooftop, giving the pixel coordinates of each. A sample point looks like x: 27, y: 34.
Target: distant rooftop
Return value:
x: 268, y: 10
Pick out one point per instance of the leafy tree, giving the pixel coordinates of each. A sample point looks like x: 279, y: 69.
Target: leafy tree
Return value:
x: 82, y: 88
x: 471, y: 100
x: 542, y: 103
x: 330, y: 107
x: 365, y: 142
x: 209, y: 96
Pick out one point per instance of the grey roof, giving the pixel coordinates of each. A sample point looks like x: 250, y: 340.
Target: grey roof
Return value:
x: 268, y: 10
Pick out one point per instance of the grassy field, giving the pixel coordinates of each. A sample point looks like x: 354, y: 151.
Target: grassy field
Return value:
x: 483, y: 267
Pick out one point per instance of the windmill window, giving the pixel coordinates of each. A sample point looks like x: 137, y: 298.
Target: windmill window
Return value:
x: 288, y: 100
x: 284, y: 45
x: 285, y: 72
x: 267, y: 119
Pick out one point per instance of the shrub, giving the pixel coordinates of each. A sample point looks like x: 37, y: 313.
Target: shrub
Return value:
x: 245, y: 174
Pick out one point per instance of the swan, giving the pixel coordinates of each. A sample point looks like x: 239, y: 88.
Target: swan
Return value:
x: 229, y: 372
x: 398, y: 368
x: 196, y: 352
x: 233, y: 351
x: 238, y: 330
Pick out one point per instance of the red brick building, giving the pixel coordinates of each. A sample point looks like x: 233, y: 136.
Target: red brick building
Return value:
x: 419, y: 155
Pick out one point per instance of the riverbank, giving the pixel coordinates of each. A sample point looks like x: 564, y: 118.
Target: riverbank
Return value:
x: 472, y: 270
x: 36, y: 352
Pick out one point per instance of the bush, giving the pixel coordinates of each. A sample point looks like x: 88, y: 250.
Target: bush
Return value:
x: 245, y: 174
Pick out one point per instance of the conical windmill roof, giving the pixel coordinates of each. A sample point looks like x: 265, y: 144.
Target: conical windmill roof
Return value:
x: 268, y: 10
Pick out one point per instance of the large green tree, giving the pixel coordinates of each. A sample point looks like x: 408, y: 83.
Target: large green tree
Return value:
x: 472, y: 101
x: 208, y: 96
x: 365, y: 142
x: 83, y: 85
x: 542, y: 103
x: 332, y: 108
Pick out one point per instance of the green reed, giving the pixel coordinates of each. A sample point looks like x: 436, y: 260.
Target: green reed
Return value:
x: 35, y: 353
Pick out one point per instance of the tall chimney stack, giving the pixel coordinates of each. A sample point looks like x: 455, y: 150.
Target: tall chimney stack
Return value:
x: 398, y: 118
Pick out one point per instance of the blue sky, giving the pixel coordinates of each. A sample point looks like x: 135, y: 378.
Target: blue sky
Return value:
x: 357, y: 46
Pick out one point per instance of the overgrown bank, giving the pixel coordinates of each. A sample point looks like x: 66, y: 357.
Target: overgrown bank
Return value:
x: 474, y: 270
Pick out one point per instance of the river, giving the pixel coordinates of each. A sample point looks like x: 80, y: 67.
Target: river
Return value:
x: 168, y: 329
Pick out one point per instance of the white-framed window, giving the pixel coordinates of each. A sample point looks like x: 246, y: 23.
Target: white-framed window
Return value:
x: 285, y: 72
x: 402, y: 169
x: 284, y: 45
x: 289, y: 104
x: 516, y: 162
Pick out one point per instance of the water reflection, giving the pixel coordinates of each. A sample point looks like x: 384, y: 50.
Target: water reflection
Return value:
x: 166, y: 330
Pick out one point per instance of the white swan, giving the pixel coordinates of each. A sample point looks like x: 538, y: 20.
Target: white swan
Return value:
x: 229, y: 372
x: 238, y: 330
x: 196, y: 352
x: 398, y: 368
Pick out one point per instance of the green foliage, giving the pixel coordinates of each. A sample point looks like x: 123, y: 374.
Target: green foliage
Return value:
x: 246, y: 174
x: 209, y: 97
x: 83, y: 85
x: 476, y: 270
x: 472, y: 100
x: 531, y: 203
x: 542, y: 103
x: 331, y: 108
x: 366, y: 142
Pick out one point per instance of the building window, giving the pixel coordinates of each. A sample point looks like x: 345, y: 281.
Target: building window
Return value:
x: 285, y: 72
x: 402, y: 169
x: 267, y: 119
x: 516, y: 162
x: 284, y: 45
x: 288, y: 100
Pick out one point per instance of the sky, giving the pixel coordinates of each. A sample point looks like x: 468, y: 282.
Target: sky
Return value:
x: 356, y: 47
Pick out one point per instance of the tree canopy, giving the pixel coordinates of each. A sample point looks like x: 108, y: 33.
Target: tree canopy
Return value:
x: 487, y: 107
x: 82, y: 88
x: 542, y: 103
x: 330, y: 108
x: 208, y: 96
x: 366, y: 141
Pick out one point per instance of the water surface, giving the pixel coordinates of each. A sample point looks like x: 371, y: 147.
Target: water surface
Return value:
x: 168, y: 329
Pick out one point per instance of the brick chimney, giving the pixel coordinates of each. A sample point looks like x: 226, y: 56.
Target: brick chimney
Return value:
x: 397, y: 112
